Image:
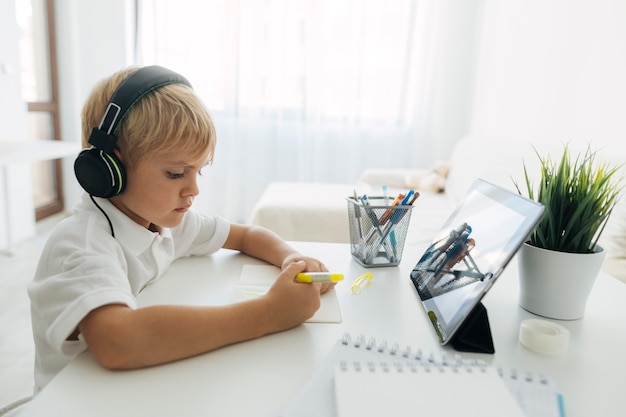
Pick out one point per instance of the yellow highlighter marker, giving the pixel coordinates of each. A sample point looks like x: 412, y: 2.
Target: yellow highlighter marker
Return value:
x: 309, y: 277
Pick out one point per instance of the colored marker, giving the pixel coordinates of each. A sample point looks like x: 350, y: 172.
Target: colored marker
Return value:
x: 309, y: 277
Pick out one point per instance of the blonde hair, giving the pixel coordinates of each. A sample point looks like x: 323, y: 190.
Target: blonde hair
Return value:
x: 169, y: 118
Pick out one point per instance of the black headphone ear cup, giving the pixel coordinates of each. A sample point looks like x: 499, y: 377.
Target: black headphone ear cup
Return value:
x: 99, y: 173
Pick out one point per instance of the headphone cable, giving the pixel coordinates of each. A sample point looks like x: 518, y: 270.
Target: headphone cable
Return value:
x: 103, y: 212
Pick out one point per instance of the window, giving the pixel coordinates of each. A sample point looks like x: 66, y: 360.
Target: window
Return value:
x: 331, y: 60
x: 35, y: 20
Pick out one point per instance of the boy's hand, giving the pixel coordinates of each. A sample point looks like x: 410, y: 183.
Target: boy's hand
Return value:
x: 311, y: 265
x: 291, y: 303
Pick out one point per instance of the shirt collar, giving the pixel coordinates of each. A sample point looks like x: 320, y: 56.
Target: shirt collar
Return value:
x: 129, y: 234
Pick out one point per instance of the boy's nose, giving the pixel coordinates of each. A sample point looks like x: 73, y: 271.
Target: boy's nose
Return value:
x: 192, y: 188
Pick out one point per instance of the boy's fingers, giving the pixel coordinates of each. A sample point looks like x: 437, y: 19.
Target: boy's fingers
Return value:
x: 299, y: 266
x: 293, y: 269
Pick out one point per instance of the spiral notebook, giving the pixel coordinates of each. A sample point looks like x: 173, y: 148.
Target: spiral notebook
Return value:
x: 404, y: 390
x: 362, y: 377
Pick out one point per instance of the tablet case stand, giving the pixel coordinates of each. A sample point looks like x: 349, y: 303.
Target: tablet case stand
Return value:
x: 474, y: 335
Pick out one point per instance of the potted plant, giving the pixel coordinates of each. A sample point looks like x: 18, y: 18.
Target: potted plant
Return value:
x: 561, y: 259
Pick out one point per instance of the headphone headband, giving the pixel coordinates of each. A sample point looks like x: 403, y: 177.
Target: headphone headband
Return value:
x: 129, y: 92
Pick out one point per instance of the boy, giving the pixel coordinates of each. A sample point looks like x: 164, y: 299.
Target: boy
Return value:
x: 115, y: 243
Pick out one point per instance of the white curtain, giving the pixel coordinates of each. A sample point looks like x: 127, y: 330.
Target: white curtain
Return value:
x: 313, y: 90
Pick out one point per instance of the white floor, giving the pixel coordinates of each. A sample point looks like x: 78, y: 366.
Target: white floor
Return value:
x: 16, y: 342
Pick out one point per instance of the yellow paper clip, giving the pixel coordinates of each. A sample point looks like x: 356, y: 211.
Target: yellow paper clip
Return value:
x: 361, y: 282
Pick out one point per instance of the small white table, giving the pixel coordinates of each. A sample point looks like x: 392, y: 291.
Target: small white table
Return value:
x: 15, y: 152
x: 257, y: 378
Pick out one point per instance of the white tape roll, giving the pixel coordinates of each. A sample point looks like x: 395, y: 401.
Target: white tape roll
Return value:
x: 543, y: 336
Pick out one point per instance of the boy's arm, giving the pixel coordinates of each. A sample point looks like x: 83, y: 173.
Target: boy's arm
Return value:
x: 261, y: 243
x: 120, y: 337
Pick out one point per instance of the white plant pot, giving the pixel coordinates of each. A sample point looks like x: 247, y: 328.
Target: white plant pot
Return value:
x: 557, y: 284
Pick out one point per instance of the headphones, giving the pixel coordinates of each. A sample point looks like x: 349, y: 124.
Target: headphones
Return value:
x: 98, y: 170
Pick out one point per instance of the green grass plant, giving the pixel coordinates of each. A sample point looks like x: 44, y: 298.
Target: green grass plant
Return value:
x: 579, y: 196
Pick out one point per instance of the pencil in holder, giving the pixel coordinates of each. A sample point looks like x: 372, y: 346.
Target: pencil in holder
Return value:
x: 377, y: 231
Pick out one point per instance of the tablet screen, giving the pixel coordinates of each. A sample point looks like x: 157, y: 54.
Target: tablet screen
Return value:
x: 470, y: 251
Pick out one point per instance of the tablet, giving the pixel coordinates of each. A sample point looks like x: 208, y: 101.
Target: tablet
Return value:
x: 470, y: 251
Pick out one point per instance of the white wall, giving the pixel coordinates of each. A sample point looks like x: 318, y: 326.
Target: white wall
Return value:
x: 553, y: 70
x: 13, y: 118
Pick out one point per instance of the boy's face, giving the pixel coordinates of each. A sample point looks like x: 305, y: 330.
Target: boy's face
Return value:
x: 160, y: 190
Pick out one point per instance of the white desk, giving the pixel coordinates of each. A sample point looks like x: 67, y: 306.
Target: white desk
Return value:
x: 15, y: 152
x: 257, y: 378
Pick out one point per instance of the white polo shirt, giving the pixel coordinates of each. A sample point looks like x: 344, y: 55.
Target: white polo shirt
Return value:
x: 83, y: 267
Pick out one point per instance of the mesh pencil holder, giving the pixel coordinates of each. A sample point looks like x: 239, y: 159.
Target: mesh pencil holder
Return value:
x: 377, y: 231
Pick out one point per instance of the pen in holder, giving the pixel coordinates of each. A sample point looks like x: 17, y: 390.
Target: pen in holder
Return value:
x: 377, y: 230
